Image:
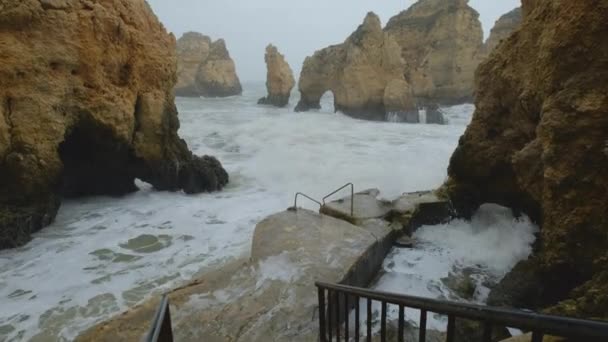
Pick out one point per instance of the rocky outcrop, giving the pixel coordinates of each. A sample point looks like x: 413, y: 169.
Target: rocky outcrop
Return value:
x: 537, y: 142
x: 86, y: 106
x: 358, y: 72
x: 204, y: 68
x: 441, y: 41
x: 279, y: 79
x: 503, y: 28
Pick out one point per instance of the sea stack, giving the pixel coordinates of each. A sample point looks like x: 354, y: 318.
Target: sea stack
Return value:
x: 503, y: 28
x: 358, y: 72
x: 279, y: 79
x: 86, y: 107
x: 537, y: 143
x: 204, y: 68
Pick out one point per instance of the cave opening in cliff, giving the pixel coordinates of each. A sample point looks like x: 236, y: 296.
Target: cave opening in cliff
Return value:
x: 95, y: 162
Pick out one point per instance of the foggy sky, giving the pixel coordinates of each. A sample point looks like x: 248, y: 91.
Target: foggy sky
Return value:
x: 297, y: 28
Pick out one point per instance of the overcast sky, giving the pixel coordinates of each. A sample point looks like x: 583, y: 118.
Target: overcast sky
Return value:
x: 297, y: 28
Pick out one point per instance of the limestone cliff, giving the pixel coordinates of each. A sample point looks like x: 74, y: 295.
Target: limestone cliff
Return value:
x: 357, y: 71
x: 503, y: 28
x: 86, y: 106
x: 441, y: 41
x: 537, y: 144
x: 204, y: 68
x: 279, y: 78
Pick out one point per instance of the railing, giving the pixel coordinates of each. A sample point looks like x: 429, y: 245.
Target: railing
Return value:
x: 336, y: 302
x: 352, y: 198
x: 161, y: 329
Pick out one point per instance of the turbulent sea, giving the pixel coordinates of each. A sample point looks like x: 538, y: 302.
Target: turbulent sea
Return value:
x: 104, y: 254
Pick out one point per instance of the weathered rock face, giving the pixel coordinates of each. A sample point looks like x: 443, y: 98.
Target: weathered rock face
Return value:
x: 441, y: 41
x: 503, y: 28
x: 537, y: 142
x: 358, y: 72
x: 86, y: 106
x: 205, y: 68
x: 279, y: 79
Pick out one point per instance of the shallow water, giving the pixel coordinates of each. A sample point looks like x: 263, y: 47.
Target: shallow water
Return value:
x: 105, y: 254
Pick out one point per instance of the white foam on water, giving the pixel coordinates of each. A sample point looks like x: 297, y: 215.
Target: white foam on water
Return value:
x: 489, y: 245
x: 82, y: 269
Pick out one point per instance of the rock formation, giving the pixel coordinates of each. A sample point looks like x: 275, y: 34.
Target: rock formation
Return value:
x: 204, y: 68
x: 86, y: 106
x: 441, y: 41
x: 537, y: 144
x: 358, y: 72
x: 503, y: 28
x: 279, y: 79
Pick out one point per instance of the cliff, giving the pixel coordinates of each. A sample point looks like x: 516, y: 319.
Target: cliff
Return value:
x: 537, y: 143
x: 441, y: 42
x: 86, y: 106
x: 205, y: 68
x: 279, y: 78
x: 502, y: 29
x: 358, y: 73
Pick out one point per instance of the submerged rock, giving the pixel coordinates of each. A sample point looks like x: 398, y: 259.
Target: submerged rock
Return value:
x: 434, y: 115
x: 279, y: 79
x: 358, y: 73
x: 441, y: 41
x: 204, y: 68
x: 86, y: 107
x: 536, y: 144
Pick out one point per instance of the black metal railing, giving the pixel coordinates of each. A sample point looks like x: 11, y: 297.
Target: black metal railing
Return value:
x: 161, y: 329
x: 336, y: 302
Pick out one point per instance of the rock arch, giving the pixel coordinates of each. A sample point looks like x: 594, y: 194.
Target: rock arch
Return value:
x: 357, y: 72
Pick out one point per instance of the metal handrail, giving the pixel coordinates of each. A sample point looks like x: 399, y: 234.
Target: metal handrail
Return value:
x: 295, y: 201
x: 352, y: 197
x: 161, y: 329
x: 539, y: 324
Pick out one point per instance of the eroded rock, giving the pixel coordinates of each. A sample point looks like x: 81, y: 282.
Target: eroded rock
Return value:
x: 86, y: 106
x: 536, y: 143
x: 279, y: 79
x: 358, y: 72
x: 503, y: 28
x: 205, y: 68
x: 441, y: 41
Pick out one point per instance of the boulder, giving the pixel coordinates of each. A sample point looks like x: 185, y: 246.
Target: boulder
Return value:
x: 537, y: 141
x: 279, y: 79
x: 86, y: 107
x: 441, y: 41
x: 204, y: 68
x: 503, y: 28
x: 357, y: 71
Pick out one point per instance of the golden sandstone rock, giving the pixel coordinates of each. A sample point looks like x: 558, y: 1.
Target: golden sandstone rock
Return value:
x: 205, y: 68
x: 536, y: 144
x: 279, y: 78
x: 86, y: 107
x: 357, y: 72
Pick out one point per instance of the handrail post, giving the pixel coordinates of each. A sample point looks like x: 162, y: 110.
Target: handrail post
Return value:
x: 352, y: 197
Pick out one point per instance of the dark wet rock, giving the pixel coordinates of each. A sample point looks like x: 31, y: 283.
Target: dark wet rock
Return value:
x: 434, y: 115
x: 462, y: 283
